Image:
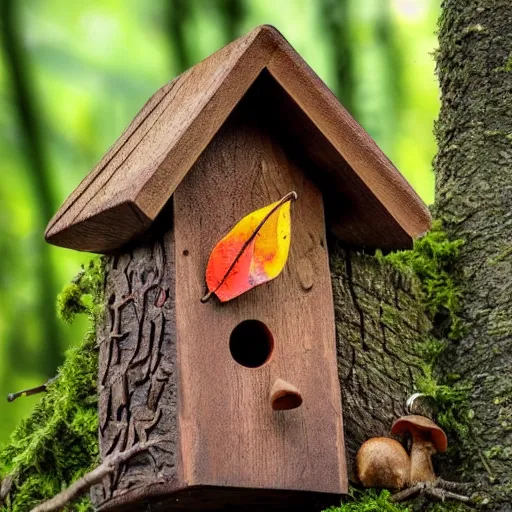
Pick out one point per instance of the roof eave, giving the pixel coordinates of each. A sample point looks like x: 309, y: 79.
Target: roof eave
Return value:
x: 91, y: 228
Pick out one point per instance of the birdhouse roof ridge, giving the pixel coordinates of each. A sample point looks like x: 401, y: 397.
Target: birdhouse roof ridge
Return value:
x: 121, y: 197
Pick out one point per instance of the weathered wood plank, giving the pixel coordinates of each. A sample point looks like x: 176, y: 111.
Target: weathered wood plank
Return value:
x: 231, y: 435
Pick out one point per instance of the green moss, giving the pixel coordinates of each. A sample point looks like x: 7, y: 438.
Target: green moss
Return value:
x: 83, y: 294
x: 502, y: 256
x: 372, y: 500
x: 448, y: 507
x: 58, y: 443
x: 452, y: 412
x: 472, y: 29
x: 433, y: 260
x: 508, y: 64
x: 507, y: 67
x: 369, y: 500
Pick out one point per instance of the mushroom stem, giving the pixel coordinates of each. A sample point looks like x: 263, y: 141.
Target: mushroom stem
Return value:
x: 422, y: 469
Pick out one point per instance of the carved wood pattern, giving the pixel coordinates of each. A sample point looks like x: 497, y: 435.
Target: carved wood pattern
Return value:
x: 137, y: 377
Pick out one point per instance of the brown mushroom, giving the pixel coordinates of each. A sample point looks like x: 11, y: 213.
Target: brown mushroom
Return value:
x: 427, y: 438
x: 383, y: 462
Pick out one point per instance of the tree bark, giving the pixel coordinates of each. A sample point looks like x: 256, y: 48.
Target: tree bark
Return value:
x: 137, y: 383
x: 380, y: 319
x: 474, y: 198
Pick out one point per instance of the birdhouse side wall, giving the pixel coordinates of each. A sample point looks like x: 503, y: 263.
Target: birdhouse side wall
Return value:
x: 137, y: 377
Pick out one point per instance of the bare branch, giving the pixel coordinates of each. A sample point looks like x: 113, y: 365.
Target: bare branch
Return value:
x: 454, y: 486
x: 93, y: 477
x: 442, y: 495
x: 440, y: 489
x: 5, y: 487
x: 410, y: 492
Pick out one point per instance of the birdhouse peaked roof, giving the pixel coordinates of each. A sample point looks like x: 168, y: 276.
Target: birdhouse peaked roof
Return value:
x: 368, y: 202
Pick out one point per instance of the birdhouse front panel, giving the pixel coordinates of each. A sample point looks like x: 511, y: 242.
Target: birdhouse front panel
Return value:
x: 277, y: 340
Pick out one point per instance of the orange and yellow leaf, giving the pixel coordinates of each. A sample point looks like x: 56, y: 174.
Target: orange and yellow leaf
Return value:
x: 253, y: 252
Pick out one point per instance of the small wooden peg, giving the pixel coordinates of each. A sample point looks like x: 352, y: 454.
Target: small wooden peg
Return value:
x: 284, y: 396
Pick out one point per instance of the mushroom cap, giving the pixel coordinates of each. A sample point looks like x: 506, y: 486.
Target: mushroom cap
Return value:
x: 383, y: 462
x: 423, y: 427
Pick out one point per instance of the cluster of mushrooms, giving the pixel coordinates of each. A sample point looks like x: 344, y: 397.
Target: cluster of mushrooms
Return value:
x: 383, y: 462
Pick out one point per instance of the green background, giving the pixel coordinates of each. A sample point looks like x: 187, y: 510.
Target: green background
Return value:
x: 73, y: 75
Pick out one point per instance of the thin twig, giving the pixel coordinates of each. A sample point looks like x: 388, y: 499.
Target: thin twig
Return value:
x: 93, y: 477
x: 453, y: 486
x: 32, y: 391
x: 487, y: 467
x: 442, y: 494
x: 410, y: 492
x: 438, y: 489
x: 5, y: 487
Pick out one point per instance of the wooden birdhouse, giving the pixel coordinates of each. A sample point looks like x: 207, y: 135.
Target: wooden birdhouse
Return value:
x: 238, y: 401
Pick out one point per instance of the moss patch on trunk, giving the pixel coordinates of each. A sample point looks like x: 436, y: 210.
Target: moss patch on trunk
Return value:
x: 433, y: 261
x: 58, y: 443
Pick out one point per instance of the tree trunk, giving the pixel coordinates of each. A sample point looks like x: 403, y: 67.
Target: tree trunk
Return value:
x: 474, y: 198
x: 380, y: 319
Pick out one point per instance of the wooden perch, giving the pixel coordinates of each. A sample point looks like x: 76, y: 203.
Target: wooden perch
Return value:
x: 284, y: 396
x: 93, y: 477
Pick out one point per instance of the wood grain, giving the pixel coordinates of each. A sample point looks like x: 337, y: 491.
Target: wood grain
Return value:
x: 118, y: 201
x: 230, y: 435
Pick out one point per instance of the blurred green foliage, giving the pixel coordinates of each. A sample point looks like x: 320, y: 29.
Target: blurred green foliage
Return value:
x: 73, y: 75
x: 58, y: 443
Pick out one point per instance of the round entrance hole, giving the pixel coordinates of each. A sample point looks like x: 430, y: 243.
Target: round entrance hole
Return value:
x: 251, y: 343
